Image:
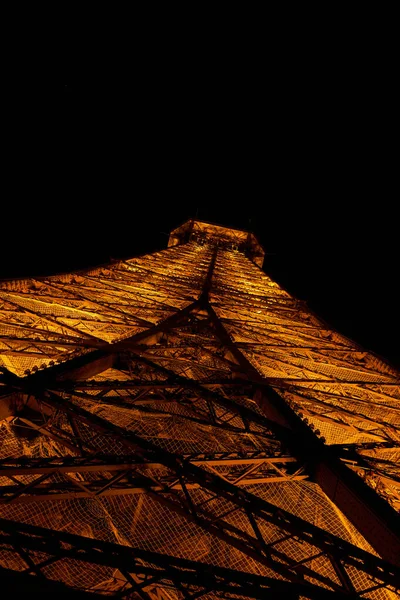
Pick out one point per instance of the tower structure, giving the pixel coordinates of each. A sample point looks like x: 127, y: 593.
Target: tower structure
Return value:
x: 178, y: 426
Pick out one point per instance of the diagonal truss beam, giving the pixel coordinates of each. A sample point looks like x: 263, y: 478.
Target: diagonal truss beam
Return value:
x: 247, y: 415
x: 116, y: 477
x: 306, y: 434
x: 84, y: 365
x: 185, y: 476
x: 150, y: 570
x: 356, y: 499
x: 323, y: 469
x: 254, y: 509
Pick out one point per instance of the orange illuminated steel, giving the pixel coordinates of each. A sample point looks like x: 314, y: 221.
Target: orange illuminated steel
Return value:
x: 215, y: 234
x: 178, y: 425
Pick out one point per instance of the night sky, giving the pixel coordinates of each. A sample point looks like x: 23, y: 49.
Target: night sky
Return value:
x: 102, y: 163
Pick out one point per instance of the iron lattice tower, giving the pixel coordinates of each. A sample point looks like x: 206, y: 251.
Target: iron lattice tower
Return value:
x: 178, y: 426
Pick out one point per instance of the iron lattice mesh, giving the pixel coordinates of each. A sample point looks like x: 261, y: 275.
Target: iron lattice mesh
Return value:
x: 174, y: 434
x: 349, y: 395
x: 125, y: 519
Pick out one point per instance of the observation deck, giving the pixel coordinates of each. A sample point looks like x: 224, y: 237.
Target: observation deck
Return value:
x: 228, y: 238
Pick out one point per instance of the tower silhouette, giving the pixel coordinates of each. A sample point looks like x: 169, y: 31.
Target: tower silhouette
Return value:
x: 179, y: 426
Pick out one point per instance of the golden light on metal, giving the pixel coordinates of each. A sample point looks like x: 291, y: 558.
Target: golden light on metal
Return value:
x: 182, y: 406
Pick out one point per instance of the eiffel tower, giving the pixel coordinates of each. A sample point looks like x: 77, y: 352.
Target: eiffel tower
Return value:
x: 179, y: 426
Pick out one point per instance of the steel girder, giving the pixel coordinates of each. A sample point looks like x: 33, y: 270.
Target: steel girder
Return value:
x: 143, y: 571
x: 56, y: 393
x: 223, y: 499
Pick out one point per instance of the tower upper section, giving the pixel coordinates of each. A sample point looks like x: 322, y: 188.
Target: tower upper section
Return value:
x: 208, y: 233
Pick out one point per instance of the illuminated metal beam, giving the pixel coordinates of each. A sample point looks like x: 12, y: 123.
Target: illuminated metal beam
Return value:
x: 251, y: 507
x: 182, y: 476
x: 253, y: 471
x: 27, y: 466
x: 357, y: 501
x: 385, y: 540
x: 151, y: 570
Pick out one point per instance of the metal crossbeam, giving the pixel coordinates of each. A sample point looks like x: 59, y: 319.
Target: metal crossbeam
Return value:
x: 248, y: 415
x: 150, y: 569
x: 224, y: 494
x: 199, y: 376
x: 26, y: 466
x: 239, y: 471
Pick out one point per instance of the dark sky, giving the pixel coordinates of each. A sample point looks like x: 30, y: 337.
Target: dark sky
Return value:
x: 104, y: 159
